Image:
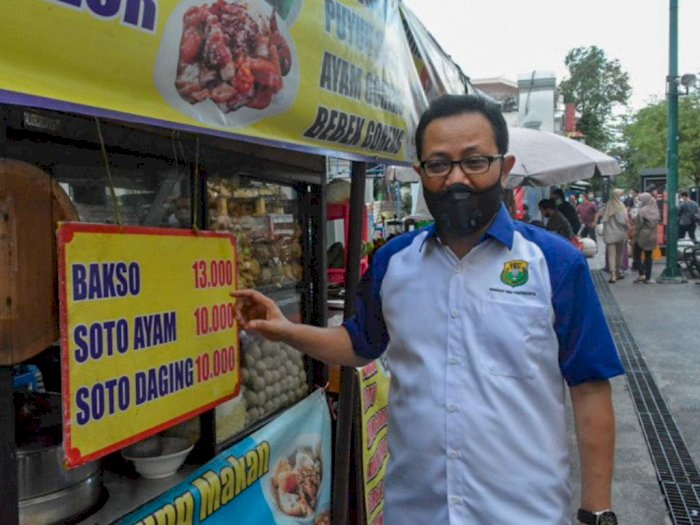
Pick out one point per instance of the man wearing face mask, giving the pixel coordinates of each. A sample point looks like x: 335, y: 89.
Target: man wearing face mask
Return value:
x: 482, y: 321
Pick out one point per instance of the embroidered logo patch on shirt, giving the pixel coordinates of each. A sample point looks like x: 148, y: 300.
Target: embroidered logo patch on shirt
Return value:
x: 514, y: 273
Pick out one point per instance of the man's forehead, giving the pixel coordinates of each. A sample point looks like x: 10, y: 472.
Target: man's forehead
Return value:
x: 464, y: 128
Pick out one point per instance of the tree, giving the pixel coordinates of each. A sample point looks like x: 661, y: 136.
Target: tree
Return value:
x: 646, y: 139
x: 595, y: 84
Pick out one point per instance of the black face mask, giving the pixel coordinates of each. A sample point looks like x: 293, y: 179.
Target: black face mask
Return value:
x: 459, y: 210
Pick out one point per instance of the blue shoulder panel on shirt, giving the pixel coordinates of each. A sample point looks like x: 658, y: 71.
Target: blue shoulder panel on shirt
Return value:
x: 367, y: 328
x: 586, y: 349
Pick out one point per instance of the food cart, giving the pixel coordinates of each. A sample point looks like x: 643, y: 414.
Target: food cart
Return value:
x: 150, y: 133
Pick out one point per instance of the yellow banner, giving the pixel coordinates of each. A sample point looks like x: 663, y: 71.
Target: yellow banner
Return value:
x: 148, y: 335
x: 326, y: 76
x: 374, y: 398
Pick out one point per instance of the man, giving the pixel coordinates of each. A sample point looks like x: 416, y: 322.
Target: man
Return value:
x: 588, y: 212
x: 687, y: 216
x: 566, y: 209
x: 556, y: 222
x: 481, y: 319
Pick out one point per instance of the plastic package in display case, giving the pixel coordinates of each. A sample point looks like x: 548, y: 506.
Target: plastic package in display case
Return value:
x: 263, y: 216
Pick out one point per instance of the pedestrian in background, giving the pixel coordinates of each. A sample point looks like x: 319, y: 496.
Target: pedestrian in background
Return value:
x: 566, y: 209
x: 588, y: 213
x: 555, y: 220
x: 614, y: 233
x: 632, y: 199
x: 632, y: 205
x: 645, y: 236
x: 687, y: 216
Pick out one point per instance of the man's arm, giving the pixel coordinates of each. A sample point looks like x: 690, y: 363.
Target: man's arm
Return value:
x: 259, y: 313
x: 595, y: 434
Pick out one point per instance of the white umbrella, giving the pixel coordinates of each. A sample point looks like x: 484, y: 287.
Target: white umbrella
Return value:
x: 547, y: 159
x: 402, y: 174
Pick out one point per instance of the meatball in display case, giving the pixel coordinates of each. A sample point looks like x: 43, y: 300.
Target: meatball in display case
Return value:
x: 264, y: 217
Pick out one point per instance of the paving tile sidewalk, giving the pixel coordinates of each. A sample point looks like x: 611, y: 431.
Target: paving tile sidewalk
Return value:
x: 664, y: 320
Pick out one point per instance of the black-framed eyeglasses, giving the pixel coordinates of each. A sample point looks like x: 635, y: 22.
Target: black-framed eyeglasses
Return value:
x: 474, y: 165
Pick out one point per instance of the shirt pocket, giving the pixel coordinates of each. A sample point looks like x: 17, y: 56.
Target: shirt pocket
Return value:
x: 513, y: 337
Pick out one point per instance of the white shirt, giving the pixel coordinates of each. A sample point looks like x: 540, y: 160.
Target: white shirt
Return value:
x: 478, y: 351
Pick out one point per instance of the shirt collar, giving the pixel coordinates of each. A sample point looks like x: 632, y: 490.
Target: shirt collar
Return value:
x: 501, y: 229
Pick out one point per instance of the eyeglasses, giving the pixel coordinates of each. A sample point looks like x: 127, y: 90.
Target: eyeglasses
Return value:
x: 474, y: 165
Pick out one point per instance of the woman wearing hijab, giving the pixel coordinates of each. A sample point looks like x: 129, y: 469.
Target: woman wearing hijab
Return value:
x: 645, y: 226
x: 614, y: 233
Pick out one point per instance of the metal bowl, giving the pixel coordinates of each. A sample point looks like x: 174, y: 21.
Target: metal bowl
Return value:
x: 48, y: 492
x: 57, y: 507
x: 40, y: 471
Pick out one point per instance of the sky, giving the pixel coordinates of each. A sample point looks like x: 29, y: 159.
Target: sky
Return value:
x: 510, y: 38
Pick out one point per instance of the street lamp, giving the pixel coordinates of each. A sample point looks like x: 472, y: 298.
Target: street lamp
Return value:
x: 672, y: 273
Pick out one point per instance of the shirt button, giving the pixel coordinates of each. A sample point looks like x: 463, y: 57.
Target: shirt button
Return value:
x: 458, y: 269
x: 454, y: 314
x: 452, y: 454
x: 453, y: 360
x: 454, y: 500
x: 452, y: 408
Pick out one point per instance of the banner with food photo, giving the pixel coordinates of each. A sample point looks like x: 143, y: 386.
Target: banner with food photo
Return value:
x: 280, y: 474
x: 332, y: 77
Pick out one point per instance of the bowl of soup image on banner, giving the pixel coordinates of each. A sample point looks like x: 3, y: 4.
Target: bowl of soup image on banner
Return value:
x: 228, y: 63
x: 294, y: 488
x: 158, y: 457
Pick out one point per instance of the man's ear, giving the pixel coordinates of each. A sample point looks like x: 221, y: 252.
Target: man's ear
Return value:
x: 416, y: 168
x: 507, y: 163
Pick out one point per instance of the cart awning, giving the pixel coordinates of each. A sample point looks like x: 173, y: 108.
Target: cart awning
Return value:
x: 319, y: 77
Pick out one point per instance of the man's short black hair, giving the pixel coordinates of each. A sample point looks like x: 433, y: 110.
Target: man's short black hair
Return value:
x: 451, y: 105
x: 558, y: 192
x: 684, y: 194
x: 547, y: 204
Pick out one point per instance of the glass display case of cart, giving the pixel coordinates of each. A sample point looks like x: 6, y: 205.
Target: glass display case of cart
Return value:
x: 264, y: 216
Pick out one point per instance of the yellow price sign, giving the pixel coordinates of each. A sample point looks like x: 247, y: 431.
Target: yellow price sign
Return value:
x: 148, y: 333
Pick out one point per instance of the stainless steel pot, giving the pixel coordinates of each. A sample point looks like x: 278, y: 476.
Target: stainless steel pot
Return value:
x: 57, y: 507
x: 48, y: 492
x: 41, y: 471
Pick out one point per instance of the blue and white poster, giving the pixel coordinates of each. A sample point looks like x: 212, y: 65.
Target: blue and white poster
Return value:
x: 280, y: 474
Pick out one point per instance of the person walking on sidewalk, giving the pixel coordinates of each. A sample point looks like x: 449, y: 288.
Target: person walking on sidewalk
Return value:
x: 588, y: 212
x: 482, y: 320
x: 645, y: 236
x: 687, y: 216
x: 614, y: 233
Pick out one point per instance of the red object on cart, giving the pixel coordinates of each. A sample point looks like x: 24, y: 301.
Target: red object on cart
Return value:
x: 342, y: 212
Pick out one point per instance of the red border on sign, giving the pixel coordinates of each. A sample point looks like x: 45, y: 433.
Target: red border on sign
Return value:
x: 65, y: 234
